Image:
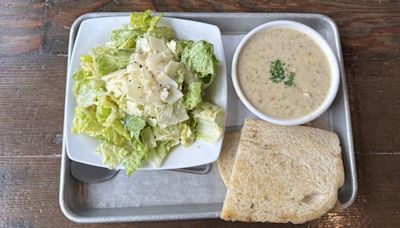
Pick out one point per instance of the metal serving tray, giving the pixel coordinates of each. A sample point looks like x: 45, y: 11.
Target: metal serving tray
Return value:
x: 169, y: 195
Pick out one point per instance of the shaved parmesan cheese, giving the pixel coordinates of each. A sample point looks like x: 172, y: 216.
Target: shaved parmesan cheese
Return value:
x: 167, y: 55
x: 150, y: 89
x: 134, y: 89
x: 115, y: 82
x: 171, y: 114
x: 150, y: 110
x: 174, y: 95
x: 114, y: 74
x: 164, y: 94
x: 171, y: 68
x: 166, y: 81
x: 142, y: 45
x: 158, y: 45
x: 155, y: 63
x: 172, y: 46
x: 132, y: 108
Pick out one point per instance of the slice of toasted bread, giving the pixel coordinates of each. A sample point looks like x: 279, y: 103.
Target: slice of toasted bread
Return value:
x: 283, y: 174
x: 227, y: 156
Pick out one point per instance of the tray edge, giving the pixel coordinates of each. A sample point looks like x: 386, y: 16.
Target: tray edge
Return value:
x: 75, y: 26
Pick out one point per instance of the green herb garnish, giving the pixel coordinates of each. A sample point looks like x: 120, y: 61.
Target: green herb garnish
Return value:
x: 279, y: 73
x: 289, y: 81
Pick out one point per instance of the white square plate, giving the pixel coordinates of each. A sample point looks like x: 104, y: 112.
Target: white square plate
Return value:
x: 95, y: 32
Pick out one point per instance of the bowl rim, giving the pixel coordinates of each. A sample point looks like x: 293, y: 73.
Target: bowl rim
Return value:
x: 327, y: 50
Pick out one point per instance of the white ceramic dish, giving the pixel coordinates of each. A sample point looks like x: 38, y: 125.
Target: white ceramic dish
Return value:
x: 95, y: 32
x: 334, y: 66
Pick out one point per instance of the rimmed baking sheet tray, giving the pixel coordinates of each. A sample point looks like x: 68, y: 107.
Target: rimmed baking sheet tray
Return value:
x: 171, y: 195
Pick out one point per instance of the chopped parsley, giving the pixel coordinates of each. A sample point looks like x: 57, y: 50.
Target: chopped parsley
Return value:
x: 278, y: 72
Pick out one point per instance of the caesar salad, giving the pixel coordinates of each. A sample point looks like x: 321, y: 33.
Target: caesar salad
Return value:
x: 142, y: 93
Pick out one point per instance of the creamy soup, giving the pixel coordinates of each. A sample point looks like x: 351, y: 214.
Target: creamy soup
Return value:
x: 304, y: 68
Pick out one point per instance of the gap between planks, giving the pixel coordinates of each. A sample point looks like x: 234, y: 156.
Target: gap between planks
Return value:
x: 378, y: 153
x: 31, y: 156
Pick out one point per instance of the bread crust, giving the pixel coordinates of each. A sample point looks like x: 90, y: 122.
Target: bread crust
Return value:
x: 227, y: 155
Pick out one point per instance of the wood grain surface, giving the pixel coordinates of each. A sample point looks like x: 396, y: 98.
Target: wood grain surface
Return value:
x: 33, y: 55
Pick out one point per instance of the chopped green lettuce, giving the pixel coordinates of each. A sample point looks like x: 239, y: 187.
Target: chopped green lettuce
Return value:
x: 138, y: 153
x: 187, y: 134
x: 85, y: 121
x: 109, y: 59
x: 79, y: 75
x: 161, y: 151
x: 112, y: 155
x: 115, y: 134
x: 192, y: 98
x: 87, y: 91
x: 148, y: 137
x: 172, y: 114
x: 125, y: 37
x: 209, y: 119
x: 106, y: 111
x: 134, y: 124
x: 87, y: 65
x: 180, y: 46
x: 200, y: 58
x: 85, y: 94
x: 166, y: 134
x: 144, y: 21
x: 162, y: 32
x: 180, y: 75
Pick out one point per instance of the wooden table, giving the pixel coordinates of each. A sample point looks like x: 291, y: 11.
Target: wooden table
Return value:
x: 33, y: 57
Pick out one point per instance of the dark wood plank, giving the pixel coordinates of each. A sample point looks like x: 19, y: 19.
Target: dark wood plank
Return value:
x: 29, y: 197
x: 21, y: 27
x: 368, y: 29
x: 32, y: 105
x: 375, y: 104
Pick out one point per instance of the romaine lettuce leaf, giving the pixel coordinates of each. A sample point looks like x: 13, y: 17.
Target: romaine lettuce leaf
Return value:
x: 162, y: 32
x: 85, y: 121
x: 180, y: 75
x: 124, y: 37
x: 115, y: 134
x: 200, y: 58
x: 79, y: 75
x: 209, y: 119
x: 109, y: 59
x: 139, y: 152
x: 144, y: 21
x: 173, y: 114
x: 87, y: 89
x: 180, y: 46
x: 163, y: 148
x: 187, y: 134
x: 87, y: 65
x: 134, y: 124
x: 80, y: 81
x: 192, y: 98
x: 166, y: 134
x: 107, y: 111
x: 148, y: 137
x: 112, y: 155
